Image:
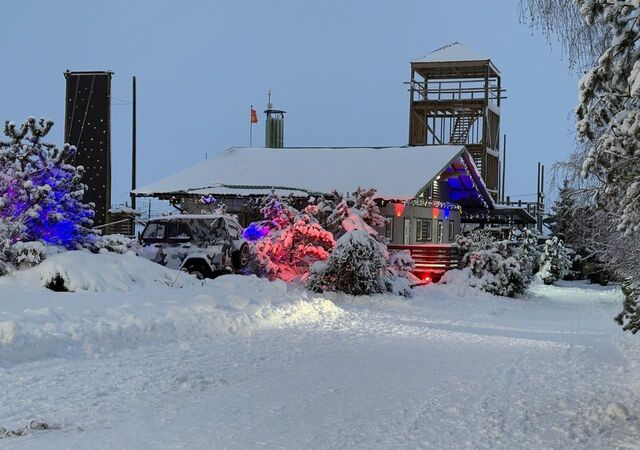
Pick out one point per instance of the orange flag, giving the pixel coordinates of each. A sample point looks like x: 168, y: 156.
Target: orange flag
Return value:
x: 254, y: 116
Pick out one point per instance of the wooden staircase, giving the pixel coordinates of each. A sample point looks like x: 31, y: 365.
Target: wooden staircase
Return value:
x: 460, y: 130
x: 434, y: 259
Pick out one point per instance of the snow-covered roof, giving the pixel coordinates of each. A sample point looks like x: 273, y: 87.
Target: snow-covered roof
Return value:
x: 451, y: 52
x: 396, y: 172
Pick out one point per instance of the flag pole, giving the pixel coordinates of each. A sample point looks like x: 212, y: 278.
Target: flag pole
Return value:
x: 251, y: 127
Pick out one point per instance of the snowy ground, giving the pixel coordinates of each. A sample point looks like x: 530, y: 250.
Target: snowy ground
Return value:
x: 160, y: 361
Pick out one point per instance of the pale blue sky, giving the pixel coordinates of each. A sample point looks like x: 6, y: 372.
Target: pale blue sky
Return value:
x: 336, y: 66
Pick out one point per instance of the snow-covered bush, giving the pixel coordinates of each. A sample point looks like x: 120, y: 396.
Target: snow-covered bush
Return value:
x: 356, y: 266
x: 554, y: 261
x: 499, y: 267
x: 402, y: 263
x: 496, y: 271
x: 114, y: 243
x: 27, y: 254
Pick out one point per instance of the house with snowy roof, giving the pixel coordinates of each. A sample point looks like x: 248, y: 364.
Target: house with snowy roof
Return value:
x: 448, y: 174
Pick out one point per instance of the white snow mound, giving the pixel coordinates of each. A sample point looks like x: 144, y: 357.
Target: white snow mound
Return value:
x: 100, y: 272
x: 123, y: 301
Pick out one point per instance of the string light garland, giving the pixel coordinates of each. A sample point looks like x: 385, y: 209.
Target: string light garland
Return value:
x: 425, y: 202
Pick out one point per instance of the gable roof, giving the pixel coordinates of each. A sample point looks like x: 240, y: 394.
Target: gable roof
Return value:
x: 450, y: 53
x: 398, y: 173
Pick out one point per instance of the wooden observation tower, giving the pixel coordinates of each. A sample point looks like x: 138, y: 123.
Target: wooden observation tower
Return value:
x: 455, y: 99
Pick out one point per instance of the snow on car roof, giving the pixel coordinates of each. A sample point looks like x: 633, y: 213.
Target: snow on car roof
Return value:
x: 396, y: 172
x: 188, y: 216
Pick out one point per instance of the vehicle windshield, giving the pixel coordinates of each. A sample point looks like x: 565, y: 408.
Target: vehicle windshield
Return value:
x: 155, y: 231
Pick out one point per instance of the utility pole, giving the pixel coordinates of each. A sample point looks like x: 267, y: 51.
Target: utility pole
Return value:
x: 504, y: 166
x: 133, y: 145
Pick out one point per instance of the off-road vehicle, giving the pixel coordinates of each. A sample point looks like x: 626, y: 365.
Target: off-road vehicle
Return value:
x: 202, y: 245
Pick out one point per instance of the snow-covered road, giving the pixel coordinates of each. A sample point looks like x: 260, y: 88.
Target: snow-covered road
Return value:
x: 446, y: 369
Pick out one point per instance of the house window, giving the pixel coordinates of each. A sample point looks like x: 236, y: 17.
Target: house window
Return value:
x: 451, y: 230
x: 440, y: 231
x: 423, y: 230
x: 388, y: 228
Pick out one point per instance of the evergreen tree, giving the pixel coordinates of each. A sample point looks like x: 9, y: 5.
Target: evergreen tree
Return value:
x: 562, y: 220
x: 527, y: 255
x: 629, y: 318
x: 295, y: 241
x: 605, y: 34
x: 356, y: 266
x: 554, y: 261
x: 40, y: 191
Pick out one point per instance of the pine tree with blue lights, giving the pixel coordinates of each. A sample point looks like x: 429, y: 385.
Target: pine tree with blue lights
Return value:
x: 41, y: 190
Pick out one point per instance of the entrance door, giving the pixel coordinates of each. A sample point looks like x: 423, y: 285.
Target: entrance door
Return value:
x: 406, y: 239
x: 440, y: 231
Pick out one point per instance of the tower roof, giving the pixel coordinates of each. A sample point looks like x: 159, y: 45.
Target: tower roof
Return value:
x: 450, y: 53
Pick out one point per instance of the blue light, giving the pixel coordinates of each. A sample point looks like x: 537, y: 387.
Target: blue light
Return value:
x: 255, y: 232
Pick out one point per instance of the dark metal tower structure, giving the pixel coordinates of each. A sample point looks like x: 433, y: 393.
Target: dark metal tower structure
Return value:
x: 88, y: 127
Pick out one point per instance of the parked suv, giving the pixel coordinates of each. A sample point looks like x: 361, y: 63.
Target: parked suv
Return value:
x: 203, y: 245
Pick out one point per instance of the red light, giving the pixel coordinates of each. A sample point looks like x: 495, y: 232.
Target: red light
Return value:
x: 435, y: 212
x: 426, y: 277
x: 399, y: 209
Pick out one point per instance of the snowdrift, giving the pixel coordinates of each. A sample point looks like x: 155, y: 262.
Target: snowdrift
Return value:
x: 122, y: 301
x: 99, y: 272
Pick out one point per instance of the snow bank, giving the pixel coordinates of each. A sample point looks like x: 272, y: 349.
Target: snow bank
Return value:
x: 122, y: 301
x: 99, y: 272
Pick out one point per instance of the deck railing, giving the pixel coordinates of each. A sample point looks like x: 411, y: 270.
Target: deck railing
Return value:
x: 435, y: 259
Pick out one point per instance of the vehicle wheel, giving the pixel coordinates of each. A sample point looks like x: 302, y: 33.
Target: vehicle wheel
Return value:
x: 197, y: 270
x: 240, y: 258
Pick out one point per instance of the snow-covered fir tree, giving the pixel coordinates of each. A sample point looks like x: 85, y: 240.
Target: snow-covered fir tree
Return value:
x: 562, y: 221
x: 40, y: 191
x: 605, y: 36
x: 295, y: 242
x: 356, y: 266
x: 527, y: 254
x: 554, y: 261
x: 363, y: 215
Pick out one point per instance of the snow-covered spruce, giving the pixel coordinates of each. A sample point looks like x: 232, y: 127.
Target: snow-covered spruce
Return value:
x: 296, y: 241
x: 629, y: 318
x: 554, y: 261
x: 363, y: 215
x: 527, y: 254
x: 40, y: 192
x: 356, y: 266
